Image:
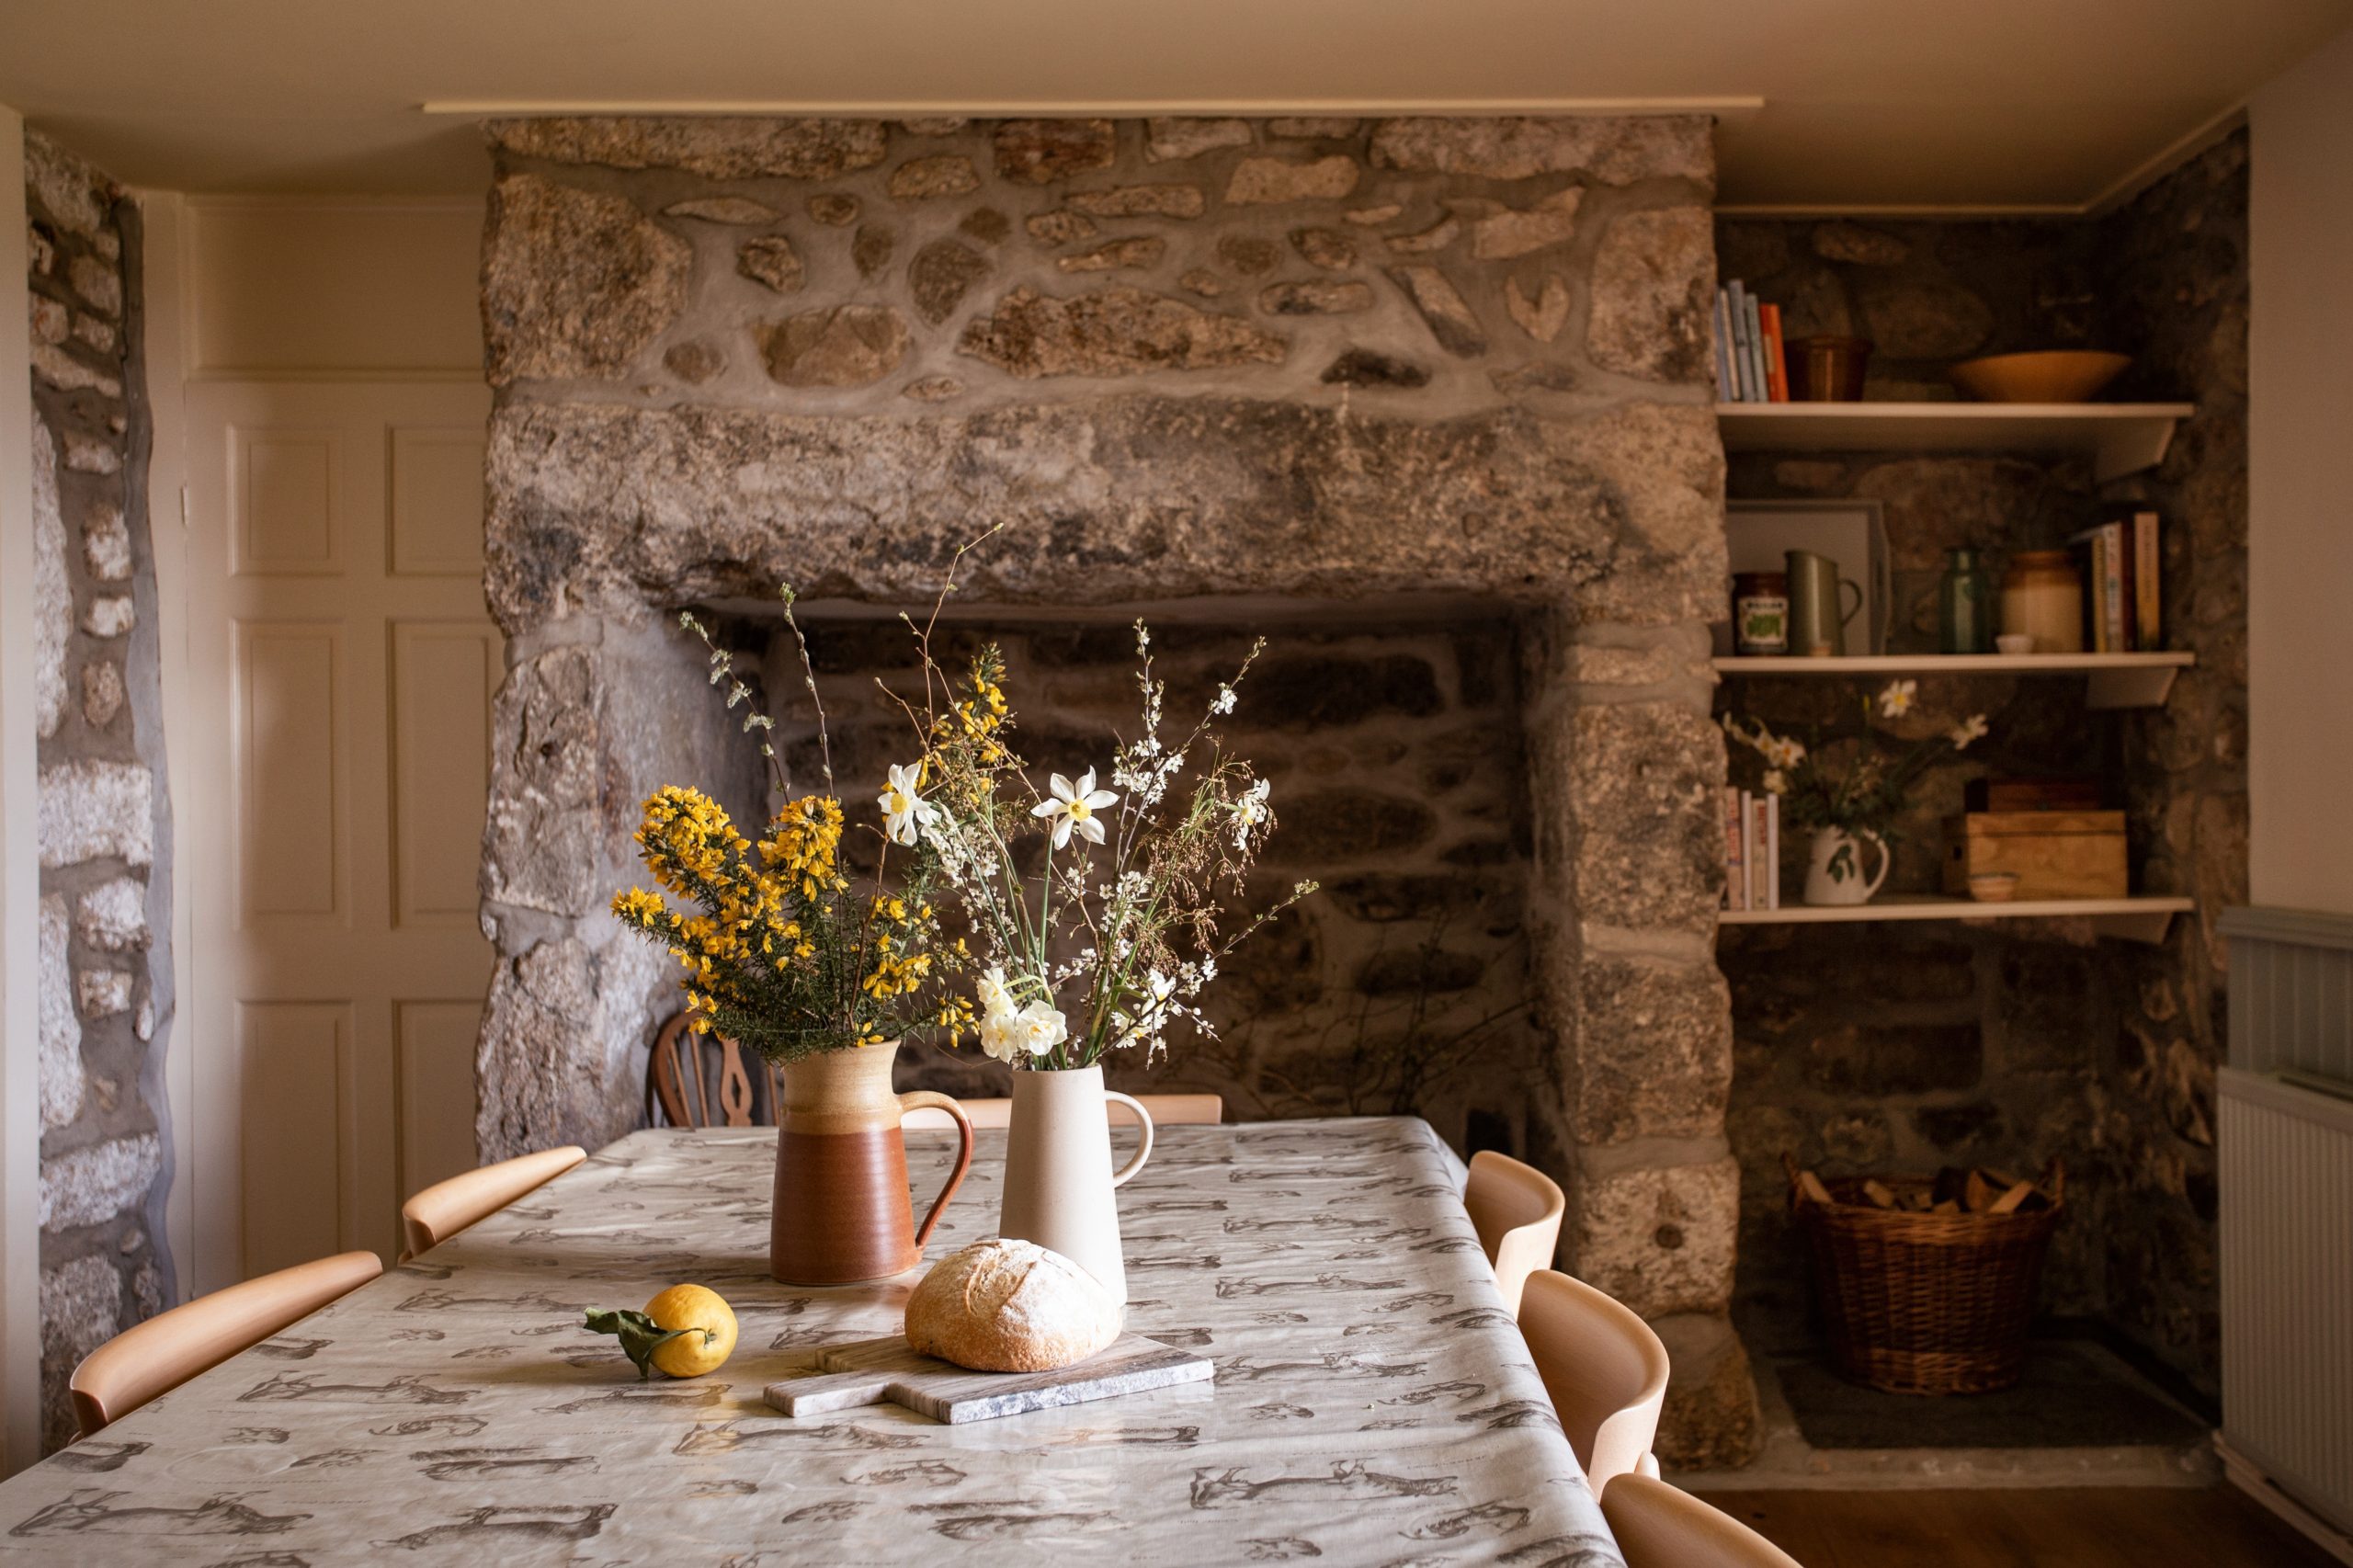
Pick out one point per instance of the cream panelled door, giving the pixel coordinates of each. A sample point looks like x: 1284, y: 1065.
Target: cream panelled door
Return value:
x: 340, y: 641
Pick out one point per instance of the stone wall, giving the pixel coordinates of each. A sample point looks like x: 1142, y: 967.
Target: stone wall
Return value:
x: 1174, y: 359
x: 1883, y: 1048
x: 106, y: 978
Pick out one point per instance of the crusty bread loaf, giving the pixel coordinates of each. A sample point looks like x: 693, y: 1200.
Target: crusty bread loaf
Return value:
x: 1007, y: 1306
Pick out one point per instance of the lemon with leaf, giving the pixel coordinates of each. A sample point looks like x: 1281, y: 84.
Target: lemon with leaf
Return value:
x: 685, y: 1331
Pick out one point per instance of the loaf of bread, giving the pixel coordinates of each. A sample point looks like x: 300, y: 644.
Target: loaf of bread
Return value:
x: 1007, y: 1306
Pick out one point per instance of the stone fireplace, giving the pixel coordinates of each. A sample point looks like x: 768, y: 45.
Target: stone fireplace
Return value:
x: 1426, y: 401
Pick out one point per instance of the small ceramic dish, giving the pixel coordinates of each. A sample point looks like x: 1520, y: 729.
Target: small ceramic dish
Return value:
x: 2015, y: 641
x: 1994, y: 886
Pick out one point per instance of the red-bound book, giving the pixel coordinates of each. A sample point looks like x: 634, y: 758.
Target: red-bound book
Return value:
x: 1777, y: 368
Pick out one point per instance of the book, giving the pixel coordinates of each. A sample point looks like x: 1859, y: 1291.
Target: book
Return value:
x: 1760, y: 844
x: 2107, y: 593
x: 1744, y: 390
x: 1725, y: 392
x: 2148, y: 625
x: 1773, y: 851
x: 1735, y: 833
x: 1757, y: 351
x: 1776, y: 373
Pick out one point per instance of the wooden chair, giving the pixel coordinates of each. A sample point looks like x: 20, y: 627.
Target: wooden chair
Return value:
x: 1166, y: 1110
x: 701, y: 1080
x: 158, y: 1356
x: 1658, y: 1527
x: 1516, y: 1210
x: 445, y: 1207
x: 1604, y: 1368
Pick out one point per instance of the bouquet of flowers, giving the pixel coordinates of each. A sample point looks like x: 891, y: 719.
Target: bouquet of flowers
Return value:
x: 783, y: 951
x: 1864, y: 797
x: 1113, y: 936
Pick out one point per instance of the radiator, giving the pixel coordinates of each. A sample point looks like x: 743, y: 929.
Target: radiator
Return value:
x: 2286, y: 1177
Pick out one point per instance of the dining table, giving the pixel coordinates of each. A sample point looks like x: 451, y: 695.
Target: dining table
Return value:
x: 1372, y: 1402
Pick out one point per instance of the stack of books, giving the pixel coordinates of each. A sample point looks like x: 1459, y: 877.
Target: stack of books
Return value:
x: 1752, y: 850
x: 1750, y: 365
x: 2120, y: 570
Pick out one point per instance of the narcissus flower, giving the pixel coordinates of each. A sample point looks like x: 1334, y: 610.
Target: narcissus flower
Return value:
x: 1073, y: 807
x: 905, y: 813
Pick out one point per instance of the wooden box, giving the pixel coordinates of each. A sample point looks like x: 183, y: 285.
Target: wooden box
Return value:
x: 2053, y: 854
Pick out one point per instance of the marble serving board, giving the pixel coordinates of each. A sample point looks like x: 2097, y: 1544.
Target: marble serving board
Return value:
x: 872, y: 1372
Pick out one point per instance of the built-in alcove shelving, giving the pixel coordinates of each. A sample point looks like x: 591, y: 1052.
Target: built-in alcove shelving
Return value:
x: 2141, y: 919
x: 2118, y: 438
x: 2113, y: 680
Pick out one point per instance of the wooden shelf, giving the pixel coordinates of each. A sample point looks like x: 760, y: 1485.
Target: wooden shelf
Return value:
x: 2119, y: 438
x: 2117, y: 680
x: 2135, y: 920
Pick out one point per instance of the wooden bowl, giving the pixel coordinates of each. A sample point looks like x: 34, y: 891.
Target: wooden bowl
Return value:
x: 2065, y: 375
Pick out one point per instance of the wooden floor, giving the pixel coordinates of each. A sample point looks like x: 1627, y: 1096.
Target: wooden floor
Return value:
x: 2138, y: 1527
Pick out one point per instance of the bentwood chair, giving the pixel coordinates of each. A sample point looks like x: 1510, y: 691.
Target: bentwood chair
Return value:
x: 1604, y: 1368
x: 445, y: 1207
x: 1516, y: 1210
x: 1166, y: 1110
x: 1659, y: 1527
x: 158, y: 1356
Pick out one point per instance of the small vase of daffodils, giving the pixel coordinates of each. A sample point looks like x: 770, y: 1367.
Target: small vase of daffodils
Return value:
x: 1851, y: 808
x: 1102, y: 947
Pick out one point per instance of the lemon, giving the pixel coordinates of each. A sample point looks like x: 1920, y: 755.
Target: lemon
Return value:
x: 690, y: 1307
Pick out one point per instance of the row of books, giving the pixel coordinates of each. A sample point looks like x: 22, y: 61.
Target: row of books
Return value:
x: 1750, y: 364
x: 2119, y: 559
x: 1752, y: 850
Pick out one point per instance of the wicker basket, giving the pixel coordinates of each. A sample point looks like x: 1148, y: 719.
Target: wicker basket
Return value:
x: 1924, y: 1303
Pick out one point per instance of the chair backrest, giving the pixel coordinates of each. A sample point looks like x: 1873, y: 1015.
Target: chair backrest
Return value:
x: 1516, y: 1210
x: 445, y: 1207
x: 1168, y: 1110
x: 1658, y: 1527
x: 701, y: 1080
x: 158, y: 1356
x: 1604, y: 1368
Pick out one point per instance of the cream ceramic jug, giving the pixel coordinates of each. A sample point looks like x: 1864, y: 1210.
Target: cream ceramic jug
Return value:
x: 1058, y: 1176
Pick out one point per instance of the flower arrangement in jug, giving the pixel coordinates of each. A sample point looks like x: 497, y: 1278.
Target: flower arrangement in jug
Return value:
x: 784, y: 951
x: 1862, y: 796
x: 1139, y: 863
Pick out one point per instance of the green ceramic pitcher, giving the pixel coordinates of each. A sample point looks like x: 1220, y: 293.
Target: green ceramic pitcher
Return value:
x: 1817, y: 618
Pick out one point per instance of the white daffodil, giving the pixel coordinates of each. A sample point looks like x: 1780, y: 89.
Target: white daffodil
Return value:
x: 1972, y: 728
x: 1073, y: 807
x: 1897, y: 699
x: 1249, y: 812
x: 1033, y: 1031
x: 905, y: 813
x: 995, y: 996
x: 1783, y: 752
x: 1776, y: 782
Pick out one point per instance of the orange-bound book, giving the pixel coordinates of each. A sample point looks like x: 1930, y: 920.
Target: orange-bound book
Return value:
x: 1776, y: 369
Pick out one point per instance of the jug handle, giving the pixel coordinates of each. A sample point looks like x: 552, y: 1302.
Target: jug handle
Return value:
x: 1885, y: 860
x: 1143, y: 1119
x: 919, y: 1099
x: 1845, y: 616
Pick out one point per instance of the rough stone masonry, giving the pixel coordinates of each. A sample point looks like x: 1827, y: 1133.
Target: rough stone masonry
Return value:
x: 104, y: 922
x: 1174, y: 360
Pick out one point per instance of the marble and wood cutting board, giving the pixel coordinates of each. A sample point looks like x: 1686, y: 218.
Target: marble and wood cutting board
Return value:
x: 871, y: 1371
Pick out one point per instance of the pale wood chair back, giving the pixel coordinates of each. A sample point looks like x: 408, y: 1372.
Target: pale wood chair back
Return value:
x: 1166, y: 1110
x: 1604, y: 1368
x: 703, y: 1080
x: 1659, y: 1527
x: 158, y: 1356
x: 441, y: 1211
x: 1516, y: 1210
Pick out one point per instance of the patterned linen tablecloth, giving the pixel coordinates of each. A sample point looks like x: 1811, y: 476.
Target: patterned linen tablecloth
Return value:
x: 1373, y: 1403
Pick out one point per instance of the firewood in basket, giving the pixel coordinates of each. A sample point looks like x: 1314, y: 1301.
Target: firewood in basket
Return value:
x: 1810, y: 1187
x: 1950, y: 1183
x: 1877, y: 1191
x: 1978, y: 1193
x: 2017, y: 1193
x: 1947, y: 1207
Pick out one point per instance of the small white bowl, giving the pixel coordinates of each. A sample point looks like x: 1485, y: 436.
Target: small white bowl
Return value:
x: 2015, y: 643
x: 1994, y: 886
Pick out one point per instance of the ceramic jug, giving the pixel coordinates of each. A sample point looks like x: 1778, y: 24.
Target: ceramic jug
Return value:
x: 1058, y: 1176
x: 842, y: 1213
x: 1817, y: 616
x: 1834, y: 872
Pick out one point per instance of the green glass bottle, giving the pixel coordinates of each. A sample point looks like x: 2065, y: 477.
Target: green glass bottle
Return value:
x: 1965, y: 605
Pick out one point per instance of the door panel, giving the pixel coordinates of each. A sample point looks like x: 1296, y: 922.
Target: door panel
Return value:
x: 337, y: 982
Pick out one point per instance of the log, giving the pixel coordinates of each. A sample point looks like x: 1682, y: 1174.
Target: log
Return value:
x: 1877, y: 1191
x: 2017, y: 1193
